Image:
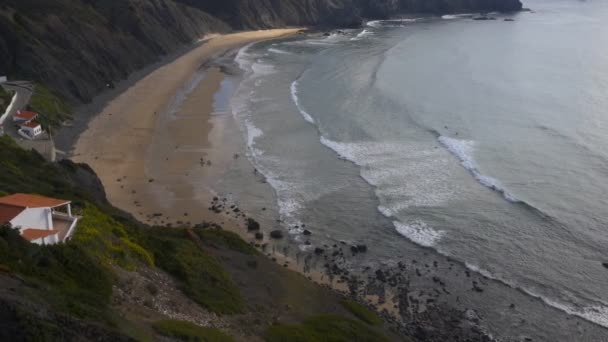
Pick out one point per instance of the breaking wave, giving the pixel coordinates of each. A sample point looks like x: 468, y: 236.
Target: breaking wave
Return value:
x: 464, y: 150
x: 296, y: 101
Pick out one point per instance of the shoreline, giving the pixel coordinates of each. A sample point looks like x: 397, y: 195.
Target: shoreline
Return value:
x: 169, y: 184
x: 159, y: 162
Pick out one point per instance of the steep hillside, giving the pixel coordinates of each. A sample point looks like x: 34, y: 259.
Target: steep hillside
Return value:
x: 77, y: 47
x: 118, y: 280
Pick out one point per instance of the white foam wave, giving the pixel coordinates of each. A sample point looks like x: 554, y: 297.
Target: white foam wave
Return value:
x: 419, y: 232
x: 404, y: 174
x: 456, y: 16
x: 243, y: 59
x: 385, y: 211
x: 363, y: 34
x: 279, y: 51
x: 597, y: 314
x: 296, y: 100
x: 391, y: 22
x: 464, y: 151
x: 262, y: 69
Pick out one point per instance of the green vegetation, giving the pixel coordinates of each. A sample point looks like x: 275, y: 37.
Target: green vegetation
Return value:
x: 64, y: 275
x: 53, y: 111
x: 361, y: 312
x: 5, y: 99
x: 102, y: 240
x: 230, y: 240
x: 187, y: 331
x: 28, y: 171
x: 203, y: 279
x: 324, y: 328
x: 108, y: 241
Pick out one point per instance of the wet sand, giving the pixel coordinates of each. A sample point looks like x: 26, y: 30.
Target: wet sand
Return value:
x: 150, y: 146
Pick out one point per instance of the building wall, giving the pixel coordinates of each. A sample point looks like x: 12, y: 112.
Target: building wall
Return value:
x: 39, y: 218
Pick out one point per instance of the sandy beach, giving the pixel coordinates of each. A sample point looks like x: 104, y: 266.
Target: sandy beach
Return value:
x: 151, y: 145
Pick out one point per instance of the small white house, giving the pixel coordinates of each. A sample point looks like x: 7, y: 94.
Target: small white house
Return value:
x: 30, y: 129
x: 40, y: 220
x: 3, y: 79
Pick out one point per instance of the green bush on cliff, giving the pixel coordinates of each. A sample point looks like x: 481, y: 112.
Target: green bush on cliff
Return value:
x: 53, y: 111
x: 187, y: 331
x: 107, y: 239
x: 63, y: 275
x: 5, y: 99
x: 203, y: 278
x: 230, y: 240
x: 28, y: 172
x: 361, y: 312
x: 324, y: 328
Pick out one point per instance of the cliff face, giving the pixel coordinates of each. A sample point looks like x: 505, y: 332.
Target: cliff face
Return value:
x: 76, y: 46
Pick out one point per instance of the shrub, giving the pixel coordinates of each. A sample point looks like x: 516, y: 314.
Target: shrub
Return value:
x: 64, y: 275
x: 225, y: 238
x: 107, y: 239
x: 361, y: 312
x: 203, y: 278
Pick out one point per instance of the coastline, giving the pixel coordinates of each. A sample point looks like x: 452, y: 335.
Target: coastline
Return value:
x: 150, y: 145
x: 167, y: 150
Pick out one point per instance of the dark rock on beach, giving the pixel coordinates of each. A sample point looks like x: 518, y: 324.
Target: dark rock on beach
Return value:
x: 276, y: 234
x: 252, y: 225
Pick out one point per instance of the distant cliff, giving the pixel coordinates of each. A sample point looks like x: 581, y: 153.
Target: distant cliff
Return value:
x: 75, y: 47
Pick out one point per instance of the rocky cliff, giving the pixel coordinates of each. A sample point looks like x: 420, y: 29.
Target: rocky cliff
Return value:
x: 76, y: 46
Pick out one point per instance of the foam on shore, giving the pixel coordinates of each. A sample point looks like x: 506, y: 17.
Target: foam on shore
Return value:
x: 296, y: 101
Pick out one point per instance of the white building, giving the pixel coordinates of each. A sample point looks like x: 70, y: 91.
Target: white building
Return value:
x: 30, y: 130
x: 40, y: 220
x: 3, y: 79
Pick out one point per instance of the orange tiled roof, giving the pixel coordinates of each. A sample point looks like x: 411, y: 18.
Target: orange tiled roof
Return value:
x: 26, y: 115
x: 31, y: 124
x: 31, y: 234
x: 9, y: 212
x: 31, y: 201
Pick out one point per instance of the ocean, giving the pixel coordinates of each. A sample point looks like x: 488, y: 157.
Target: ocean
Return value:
x: 479, y: 145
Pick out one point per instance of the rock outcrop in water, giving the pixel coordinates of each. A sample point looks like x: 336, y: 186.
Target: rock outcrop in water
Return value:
x: 77, y: 47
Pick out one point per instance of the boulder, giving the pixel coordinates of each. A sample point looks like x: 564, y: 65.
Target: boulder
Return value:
x: 276, y: 234
x: 252, y: 225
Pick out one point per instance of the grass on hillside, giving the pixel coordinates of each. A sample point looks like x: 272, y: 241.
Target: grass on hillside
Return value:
x: 322, y: 328
x: 107, y: 240
x: 187, y: 331
x: 203, y: 278
x: 63, y: 275
x: 230, y: 240
x: 27, y: 171
x: 361, y: 312
x: 53, y: 111
x: 104, y: 240
x: 5, y: 99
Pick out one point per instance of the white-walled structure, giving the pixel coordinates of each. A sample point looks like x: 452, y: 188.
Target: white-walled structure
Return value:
x: 41, y: 220
x: 3, y: 79
x: 31, y: 129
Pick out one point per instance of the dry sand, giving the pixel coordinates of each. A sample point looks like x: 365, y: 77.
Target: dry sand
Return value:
x: 153, y: 156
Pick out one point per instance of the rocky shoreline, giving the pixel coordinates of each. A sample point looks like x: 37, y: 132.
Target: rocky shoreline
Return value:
x: 387, y: 290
